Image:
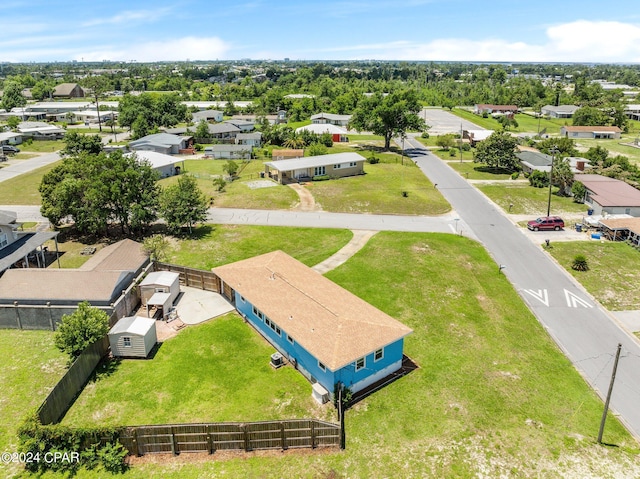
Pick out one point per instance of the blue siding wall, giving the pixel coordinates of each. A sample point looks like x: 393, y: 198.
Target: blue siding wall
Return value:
x: 392, y: 353
x: 292, y: 351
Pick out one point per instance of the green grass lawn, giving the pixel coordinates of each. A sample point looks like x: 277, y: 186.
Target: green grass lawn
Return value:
x: 477, y: 171
x: 615, y: 147
x: 23, y: 189
x: 493, y: 395
x: 43, y: 146
x: 526, y: 123
x: 529, y: 200
x: 224, y: 375
x: 33, y: 365
x: 215, y: 245
x: 379, y: 191
x: 614, y: 271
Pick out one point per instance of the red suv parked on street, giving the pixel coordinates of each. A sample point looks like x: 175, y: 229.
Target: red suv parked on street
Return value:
x: 546, y: 223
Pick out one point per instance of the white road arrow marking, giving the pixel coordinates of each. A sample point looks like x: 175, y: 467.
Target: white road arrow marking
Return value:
x: 574, y: 301
x: 540, y: 294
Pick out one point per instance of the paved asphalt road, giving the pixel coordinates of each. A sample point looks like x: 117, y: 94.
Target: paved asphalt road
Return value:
x: 24, y: 166
x: 586, y: 333
x: 443, y: 122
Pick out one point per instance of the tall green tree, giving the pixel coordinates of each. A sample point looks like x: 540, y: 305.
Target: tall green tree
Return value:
x: 590, y: 116
x: 98, y: 190
x: 562, y: 176
x: 12, y: 95
x: 75, y: 143
x: 81, y: 328
x: 388, y: 116
x: 498, y: 151
x: 183, y: 204
x: 97, y: 87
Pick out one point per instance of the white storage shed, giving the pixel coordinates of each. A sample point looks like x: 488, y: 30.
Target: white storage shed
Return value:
x: 160, y: 289
x: 133, y: 336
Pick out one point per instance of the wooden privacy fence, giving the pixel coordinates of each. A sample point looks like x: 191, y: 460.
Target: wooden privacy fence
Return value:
x: 195, y: 278
x: 286, y: 434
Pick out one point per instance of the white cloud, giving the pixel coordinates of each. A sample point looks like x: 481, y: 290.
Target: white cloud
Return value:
x: 579, y: 41
x: 129, y: 16
x: 193, y: 48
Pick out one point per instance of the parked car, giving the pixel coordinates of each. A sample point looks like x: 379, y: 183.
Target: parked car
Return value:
x: 9, y: 149
x: 546, y: 223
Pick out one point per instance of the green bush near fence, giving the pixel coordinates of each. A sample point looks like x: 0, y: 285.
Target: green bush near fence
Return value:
x: 64, y: 449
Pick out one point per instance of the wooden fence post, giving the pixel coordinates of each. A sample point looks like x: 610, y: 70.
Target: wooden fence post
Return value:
x: 134, y: 442
x: 174, y: 443
x: 313, y: 434
x: 247, y: 446
x: 283, y: 436
x: 209, y: 442
x: 15, y: 303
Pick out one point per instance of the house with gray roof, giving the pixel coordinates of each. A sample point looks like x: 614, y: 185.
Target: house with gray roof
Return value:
x: 207, y: 115
x: 336, y: 165
x: 560, y: 111
x: 252, y: 139
x: 228, y: 151
x: 40, y: 131
x: 164, y: 165
x: 162, y: 143
x: 534, y: 161
x: 245, y: 125
x: 331, y: 118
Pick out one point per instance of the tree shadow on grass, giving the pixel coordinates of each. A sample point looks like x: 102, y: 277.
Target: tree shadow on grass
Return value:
x: 105, y: 368
x: 492, y: 170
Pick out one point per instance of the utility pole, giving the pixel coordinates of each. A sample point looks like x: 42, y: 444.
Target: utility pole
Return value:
x: 343, y: 437
x: 553, y: 151
x: 606, y: 403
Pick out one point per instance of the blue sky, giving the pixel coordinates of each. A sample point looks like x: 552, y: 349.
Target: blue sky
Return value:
x: 438, y: 30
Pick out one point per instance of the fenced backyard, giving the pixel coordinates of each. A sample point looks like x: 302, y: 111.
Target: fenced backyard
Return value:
x: 175, y: 439
x: 195, y: 278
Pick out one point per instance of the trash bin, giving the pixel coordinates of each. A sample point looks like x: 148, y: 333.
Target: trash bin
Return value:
x: 589, y: 212
x: 579, y: 227
x: 262, y: 174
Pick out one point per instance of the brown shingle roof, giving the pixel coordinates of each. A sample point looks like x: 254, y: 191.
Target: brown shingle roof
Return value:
x: 123, y: 255
x: 631, y: 224
x: 609, y: 191
x: 331, y: 323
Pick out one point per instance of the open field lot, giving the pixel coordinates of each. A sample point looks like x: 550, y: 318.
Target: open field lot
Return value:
x: 42, y: 146
x: 615, y: 147
x: 529, y: 200
x: 215, y: 245
x: 493, y: 396
x: 526, y: 123
x: 614, y: 271
x: 32, y: 366
x: 476, y: 171
x: 23, y: 189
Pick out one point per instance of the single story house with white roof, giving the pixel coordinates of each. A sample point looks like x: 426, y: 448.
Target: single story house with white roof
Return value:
x: 207, y: 115
x: 608, y: 132
x: 133, y: 337
x: 475, y: 136
x: 165, y: 165
x: 40, y: 131
x: 251, y: 139
x: 10, y: 138
x: 560, y: 111
x: 336, y: 165
x: 327, y: 333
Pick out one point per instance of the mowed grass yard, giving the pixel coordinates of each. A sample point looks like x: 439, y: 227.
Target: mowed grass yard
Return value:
x: 32, y: 366
x: 23, y: 189
x: 614, y: 271
x: 216, y: 371
x: 526, y: 123
x: 493, y: 397
x: 529, y: 200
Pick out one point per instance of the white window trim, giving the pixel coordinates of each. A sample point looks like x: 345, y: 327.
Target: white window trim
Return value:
x: 290, y: 339
x: 322, y: 366
x: 364, y: 363
x: 125, y: 340
x: 376, y: 352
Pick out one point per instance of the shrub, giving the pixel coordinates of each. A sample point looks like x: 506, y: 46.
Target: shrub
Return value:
x: 220, y: 184
x: 425, y: 135
x: 579, y: 191
x: 515, y: 175
x: 80, y: 329
x: 580, y: 263
x: 538, y: 179
x: 466, y: 147
x: 321, y: 178
x: 112, y: 457
x: 453, y: 152
x: 372, y: 160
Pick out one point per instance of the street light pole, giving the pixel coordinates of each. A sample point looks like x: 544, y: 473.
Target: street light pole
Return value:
x: 553, y: 151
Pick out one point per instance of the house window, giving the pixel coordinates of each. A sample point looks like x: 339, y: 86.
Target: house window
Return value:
x: 353, y: 163
x: 126, y: 341
x: 4, y: 241
x: 359, y: 364
x: 319, y: 170
x: 242, y: 299
x: 272, y: 325
x: 337, y: 167
x: 322, y: 366
x: 258, y: 313
x: 290, y: 339
x: 378, y: 355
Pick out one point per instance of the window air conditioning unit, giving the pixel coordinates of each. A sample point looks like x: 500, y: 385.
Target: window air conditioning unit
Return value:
x: 276, y: 360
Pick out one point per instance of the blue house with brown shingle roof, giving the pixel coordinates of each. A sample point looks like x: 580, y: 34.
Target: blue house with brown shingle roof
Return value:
x: 327, y: 333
